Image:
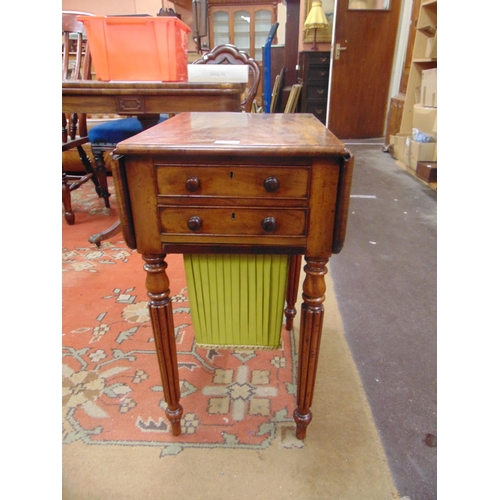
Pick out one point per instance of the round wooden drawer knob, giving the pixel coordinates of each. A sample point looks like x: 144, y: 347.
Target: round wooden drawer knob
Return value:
x: 194, y: 223
x: 269, y: 224
x: 271, y: 184
x: 193, y: 184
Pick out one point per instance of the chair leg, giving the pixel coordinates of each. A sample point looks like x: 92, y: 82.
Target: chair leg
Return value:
x: 89, y: 168
x: 100, y: 168
x: 66, y: 199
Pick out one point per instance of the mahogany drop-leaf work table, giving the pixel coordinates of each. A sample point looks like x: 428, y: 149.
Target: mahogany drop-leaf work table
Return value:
x: 247, y: 183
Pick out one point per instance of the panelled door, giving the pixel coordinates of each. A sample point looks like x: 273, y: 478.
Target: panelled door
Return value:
x: 363, y: 52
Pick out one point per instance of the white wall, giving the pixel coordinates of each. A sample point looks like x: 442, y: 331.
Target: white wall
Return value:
x: 103, y: 7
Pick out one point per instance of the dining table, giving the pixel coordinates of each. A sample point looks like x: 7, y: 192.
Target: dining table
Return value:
x: 146, y: 100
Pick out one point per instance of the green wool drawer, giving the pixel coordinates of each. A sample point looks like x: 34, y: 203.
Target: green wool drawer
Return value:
x: 237, y: 300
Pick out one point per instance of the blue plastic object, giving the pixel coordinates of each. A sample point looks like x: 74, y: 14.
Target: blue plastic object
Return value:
x: 267, y: 67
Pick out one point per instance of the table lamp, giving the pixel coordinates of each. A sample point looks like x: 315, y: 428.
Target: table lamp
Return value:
x: 315, y: 19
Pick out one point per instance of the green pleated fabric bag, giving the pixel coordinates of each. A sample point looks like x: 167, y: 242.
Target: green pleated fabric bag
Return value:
x: 237, y: 300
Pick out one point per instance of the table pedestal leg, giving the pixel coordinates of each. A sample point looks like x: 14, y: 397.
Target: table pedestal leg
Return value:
x: 160, y: 309
x: 311, y: 325
x: 97, y: 239
x: 292, y: 289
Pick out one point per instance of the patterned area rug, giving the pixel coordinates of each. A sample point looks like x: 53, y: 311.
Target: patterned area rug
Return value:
x: 112, y: 391
x: 238, y: 435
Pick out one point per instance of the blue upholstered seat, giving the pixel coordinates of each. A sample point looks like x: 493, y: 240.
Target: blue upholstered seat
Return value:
x: 115, y: 131
x: 104, y: 137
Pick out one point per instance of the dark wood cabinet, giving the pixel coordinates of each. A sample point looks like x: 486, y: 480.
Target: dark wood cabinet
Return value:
x: 314, y: 73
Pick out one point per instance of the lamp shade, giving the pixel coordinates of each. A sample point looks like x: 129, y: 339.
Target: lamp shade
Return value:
x: 316, y: 17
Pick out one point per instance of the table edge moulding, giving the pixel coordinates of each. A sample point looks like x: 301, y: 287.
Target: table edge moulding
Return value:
x: 142, y: 98
x: 277, y: 216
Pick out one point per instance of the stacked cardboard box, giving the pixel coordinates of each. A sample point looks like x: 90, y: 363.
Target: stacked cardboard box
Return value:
x: 428, y: 88
x: 404, y: 147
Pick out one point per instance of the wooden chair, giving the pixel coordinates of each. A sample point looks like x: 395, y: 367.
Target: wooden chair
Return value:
x: 230, y: 54
x: 104, y: 137
x: 75, y: 66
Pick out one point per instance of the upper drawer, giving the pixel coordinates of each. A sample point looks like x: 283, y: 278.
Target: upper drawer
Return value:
x: 238, y: 181
x: 319, y: 59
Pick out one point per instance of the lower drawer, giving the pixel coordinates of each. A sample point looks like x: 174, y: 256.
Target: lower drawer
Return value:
x: 318, y: 109
x: 232, y: 221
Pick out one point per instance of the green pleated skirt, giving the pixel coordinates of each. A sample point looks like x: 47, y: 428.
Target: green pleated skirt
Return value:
x: 237, y: 300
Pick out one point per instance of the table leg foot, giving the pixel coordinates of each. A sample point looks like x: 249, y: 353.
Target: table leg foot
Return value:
x: 174, y: 418
x: 97, y: 239
x: 302, y: 421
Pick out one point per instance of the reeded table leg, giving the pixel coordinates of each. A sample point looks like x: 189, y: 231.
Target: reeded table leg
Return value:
x: 160, y: 309
x: 292, y: 289
x: 311, y: 325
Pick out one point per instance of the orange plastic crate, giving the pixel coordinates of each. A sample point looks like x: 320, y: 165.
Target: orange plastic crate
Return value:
x: 138, y: 48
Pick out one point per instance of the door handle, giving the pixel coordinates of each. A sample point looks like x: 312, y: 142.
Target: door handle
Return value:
x: 338, y: 48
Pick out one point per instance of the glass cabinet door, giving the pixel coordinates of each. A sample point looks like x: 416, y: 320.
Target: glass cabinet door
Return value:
x: 242, y: 20
x: 246, y: 26
x: 262, y: 26
x: 220, y: 27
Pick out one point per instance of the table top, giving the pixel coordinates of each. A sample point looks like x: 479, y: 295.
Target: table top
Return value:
x: 236, y: 133
x: 140, y: 98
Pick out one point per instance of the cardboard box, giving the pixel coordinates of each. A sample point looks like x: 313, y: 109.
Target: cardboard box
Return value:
x: 424, y: 118
x: 420, y: 151
x: 431, y: 47
x: 407, y: 152
x: 398, y: 143
x: 417, y: 94
x: 428, y: 88
x: 427, y: 171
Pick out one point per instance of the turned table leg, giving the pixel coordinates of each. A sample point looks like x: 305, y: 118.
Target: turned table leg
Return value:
x: 160, y: 309
x: 66, y: 199
x: 311, y: 325
x: 292, y: 289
